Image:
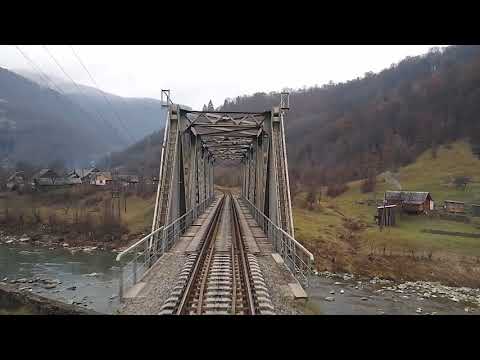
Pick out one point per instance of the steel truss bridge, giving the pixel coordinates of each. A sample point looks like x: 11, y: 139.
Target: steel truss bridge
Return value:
x: 194, y: 142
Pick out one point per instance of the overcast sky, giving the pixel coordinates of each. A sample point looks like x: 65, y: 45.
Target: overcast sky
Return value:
x: 196, y: 74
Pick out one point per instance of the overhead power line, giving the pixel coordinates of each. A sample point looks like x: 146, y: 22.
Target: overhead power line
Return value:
x: 99, y: 116
x: 103, y: 94
x: 49, y: 82
x: 44, y: 76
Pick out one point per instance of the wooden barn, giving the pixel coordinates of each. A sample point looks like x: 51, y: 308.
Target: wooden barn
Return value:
x: 454, y: 206
x: 415, y: 202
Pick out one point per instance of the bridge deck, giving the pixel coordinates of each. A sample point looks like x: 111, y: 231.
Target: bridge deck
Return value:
x: 154, y: 288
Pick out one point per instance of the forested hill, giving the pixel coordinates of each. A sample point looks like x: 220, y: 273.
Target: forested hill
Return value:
x: 352, y: 130
x: 41, y: 125
x: 346, y: 131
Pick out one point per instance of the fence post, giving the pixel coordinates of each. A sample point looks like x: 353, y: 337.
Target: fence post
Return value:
x: 134, y: 271
x: 164, y: 240
x: 120, y: 288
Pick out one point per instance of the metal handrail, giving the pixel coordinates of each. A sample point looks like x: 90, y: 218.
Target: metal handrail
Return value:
x: 139, y: 242
x: 163, y: 239
x: 289, y: 248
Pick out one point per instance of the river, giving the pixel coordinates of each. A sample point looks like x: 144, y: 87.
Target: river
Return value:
x: 95, y: 278
x: 94, y: 275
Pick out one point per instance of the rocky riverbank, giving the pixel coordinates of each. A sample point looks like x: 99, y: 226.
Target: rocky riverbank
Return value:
x: 53, y: 242
x: 417, y: 291
x: 36, y: 285
x: 14, y: 300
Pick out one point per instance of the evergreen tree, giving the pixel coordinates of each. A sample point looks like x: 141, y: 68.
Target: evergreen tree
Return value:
x: 210, y: 106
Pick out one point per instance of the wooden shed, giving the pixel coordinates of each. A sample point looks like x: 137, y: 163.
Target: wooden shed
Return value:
x: 386, y: 215
x: 410, y: 201
x: 475, y: 209
x: 454, y: 206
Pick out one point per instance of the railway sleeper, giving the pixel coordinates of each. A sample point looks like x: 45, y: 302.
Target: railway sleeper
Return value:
x: 266, y: 312
x: 266, y: 306
x: 259, y: 281
x: 218, y: 300
x: 219, y: 288
x: 219, y: 283
x: 218, y: 293
x: 166, y: 312
x: 210, y: 312
x: 263, y: 299
x: 261, y: 293
x: 220, y: 306
x: 215, y: 272
x: 169, y: 305
x: 223, y: 277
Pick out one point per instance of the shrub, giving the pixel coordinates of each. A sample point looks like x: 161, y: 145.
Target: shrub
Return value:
x: 335, y: 190
x: 368, y: 185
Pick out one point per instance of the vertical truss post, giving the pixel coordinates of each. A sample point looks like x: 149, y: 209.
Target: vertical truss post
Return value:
x: 252, y: 179
x: 279, y: 202
x: 167, y: 192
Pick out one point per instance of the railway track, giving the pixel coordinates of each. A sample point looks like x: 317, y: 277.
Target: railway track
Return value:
x: 222, y: 277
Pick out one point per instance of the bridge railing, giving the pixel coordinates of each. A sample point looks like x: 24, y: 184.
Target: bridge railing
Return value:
x: 142, y: 255
x: 297, y: 258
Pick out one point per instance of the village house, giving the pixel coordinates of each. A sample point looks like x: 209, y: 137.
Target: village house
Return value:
x: 45, y: 175
x: 101, y: 178
x: 454, y: 206
x: 85, y: 175
x: 48, y: 178
x: 16, y: 181
x: 415, y: 202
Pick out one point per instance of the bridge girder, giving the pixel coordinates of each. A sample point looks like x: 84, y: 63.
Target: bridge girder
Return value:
x: 195, y: 140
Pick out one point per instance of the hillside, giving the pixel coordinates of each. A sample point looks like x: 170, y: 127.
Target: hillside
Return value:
x: 40, y: 125
x: 347, y: 131
x: 343, y: 132
x: 342, y: 232
x: 133, y: 118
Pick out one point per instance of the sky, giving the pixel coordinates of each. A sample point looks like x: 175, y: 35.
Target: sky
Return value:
x: 196, y: 74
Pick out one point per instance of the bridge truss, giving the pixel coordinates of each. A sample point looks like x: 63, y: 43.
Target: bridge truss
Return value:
x: 194, y: 141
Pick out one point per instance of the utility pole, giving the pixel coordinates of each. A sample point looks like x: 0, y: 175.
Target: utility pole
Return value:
x: 115, y: 194
x: 146, y: 163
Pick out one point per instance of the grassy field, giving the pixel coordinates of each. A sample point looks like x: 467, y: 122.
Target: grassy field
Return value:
x: 328, y: 230
x: 137, y: 217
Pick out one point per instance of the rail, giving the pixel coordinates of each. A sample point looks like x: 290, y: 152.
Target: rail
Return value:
x: 142, y: 255
x: 296, y: 257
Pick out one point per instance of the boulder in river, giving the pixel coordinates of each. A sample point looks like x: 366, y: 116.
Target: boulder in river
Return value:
x: 330, y: 298
x: 72, y: 288
x: 94, y: 274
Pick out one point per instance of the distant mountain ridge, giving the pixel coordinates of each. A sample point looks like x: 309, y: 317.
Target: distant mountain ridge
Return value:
x: 40, y: 125
x: 363, y: 127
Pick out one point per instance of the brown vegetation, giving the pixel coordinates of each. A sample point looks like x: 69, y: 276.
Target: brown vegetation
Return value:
x: 86, y: 214
x: 335, y: 190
